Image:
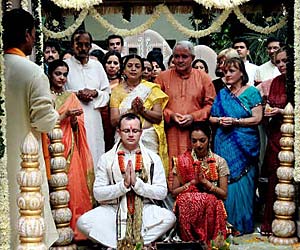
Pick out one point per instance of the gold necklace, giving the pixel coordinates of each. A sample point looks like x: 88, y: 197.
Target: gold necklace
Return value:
x: 56, y: 93
x: 130, y: 88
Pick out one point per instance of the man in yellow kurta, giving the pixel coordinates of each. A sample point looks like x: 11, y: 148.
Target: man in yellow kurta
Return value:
x: 191, y: 94
x: 29, y: 109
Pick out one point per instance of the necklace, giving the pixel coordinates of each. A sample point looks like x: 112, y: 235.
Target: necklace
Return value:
x: 129, y: 88
x: 56, y: 93
x: 237, y: 91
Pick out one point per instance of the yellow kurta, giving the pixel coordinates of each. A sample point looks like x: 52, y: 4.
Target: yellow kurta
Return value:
x: 155, y: 96
x: 29, y: 108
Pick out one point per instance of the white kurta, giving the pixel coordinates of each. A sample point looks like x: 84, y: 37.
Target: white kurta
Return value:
x: 251, y: 71
x: 267, y: 71
x: 91, y: 76
x: 29, y: 108
x: 100, y: 223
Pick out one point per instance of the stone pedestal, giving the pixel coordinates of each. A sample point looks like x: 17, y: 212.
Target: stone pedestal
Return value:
x: 284, y: 227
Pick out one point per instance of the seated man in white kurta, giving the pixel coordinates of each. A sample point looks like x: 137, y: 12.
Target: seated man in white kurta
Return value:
x: 128, y: 178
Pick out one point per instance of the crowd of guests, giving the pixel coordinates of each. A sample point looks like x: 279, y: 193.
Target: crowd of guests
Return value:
x: 136, y: 132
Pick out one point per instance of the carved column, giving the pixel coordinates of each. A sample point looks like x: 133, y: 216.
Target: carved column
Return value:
x: 59, y: 196
x: 31, y: 225
x: 283, y: 226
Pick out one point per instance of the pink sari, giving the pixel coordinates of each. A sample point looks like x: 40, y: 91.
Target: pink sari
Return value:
x: 79, y: 161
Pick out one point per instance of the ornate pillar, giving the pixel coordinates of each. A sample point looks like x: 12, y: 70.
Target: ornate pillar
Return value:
x: 59, y: 195
x: 283, y: 226
x: 31, y: 225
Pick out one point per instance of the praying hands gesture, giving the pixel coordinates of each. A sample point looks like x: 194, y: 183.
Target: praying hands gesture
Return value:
x: 130, y: 177
x: 137, y: 105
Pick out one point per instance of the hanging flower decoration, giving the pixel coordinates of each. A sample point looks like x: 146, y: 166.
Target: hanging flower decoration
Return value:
x: 37, y: 13
x: 76, y: 4
x: 125, y: 32
x: 297, y: 89
x: 162, y: 9
x: 4, y: 192
x: 200, y: 33
x: 220, y: 4
x: 259, y: 29
x: 70, y: 30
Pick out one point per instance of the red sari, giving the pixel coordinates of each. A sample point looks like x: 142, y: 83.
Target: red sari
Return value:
x: 277, y: 98
x: 79, y: 161
x: 201, y: 216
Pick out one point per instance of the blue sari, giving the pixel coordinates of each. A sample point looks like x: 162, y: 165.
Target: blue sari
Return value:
x: 240, y: 148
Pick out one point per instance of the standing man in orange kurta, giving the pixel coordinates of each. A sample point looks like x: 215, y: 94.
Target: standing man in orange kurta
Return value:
x: 191, y: 95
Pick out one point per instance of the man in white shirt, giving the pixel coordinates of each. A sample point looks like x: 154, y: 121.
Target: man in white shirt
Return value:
x: 268, y: 70
x: 242, y: 48
x: 129, y: 178
x: 88, y: 79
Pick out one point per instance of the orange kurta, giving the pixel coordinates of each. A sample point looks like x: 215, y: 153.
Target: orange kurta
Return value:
x: 192, y: 95
x: 79, y: 161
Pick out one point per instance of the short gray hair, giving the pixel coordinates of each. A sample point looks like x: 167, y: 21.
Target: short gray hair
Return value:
x: 185, y: 44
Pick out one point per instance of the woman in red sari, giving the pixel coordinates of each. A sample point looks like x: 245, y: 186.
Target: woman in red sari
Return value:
x: 79, y: 160
x: 200, y: 186
x: 279, y: 96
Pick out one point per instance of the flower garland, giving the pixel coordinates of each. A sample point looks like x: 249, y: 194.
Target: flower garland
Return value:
x: 76, y: 4
x: 297, y: 89
x: 224, y: 4
x: 37, y: 13
x: 70, y: 30
x: 125, y: 32
x: 162, y: 9
x: 258, y: 29
x: 24, y: 5
x: 4, y: 192
x: 200, y: 33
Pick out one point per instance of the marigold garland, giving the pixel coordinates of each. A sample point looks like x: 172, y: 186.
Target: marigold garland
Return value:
x: 4, y: 191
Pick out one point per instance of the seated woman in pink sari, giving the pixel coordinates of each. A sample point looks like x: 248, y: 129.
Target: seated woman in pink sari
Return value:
x: 200, y: 186
x: 79, y: 160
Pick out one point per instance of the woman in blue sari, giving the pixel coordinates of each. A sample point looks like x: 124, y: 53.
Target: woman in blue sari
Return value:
x: 236, y: 112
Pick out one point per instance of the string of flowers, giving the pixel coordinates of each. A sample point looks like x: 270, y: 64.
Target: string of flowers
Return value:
x: 24, y: 4
x: 162, y: 9
x: 70, y: 30
x: 258, y: 29
x: 200, y: 33
x: 76, y: 4
x: 224, y: 4
x: 297, y: 89
x: 125, y: 32
x: 37, y: 13
x: 4, y: 193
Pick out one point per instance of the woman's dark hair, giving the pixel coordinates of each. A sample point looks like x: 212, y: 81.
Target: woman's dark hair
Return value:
x: 97, y: 53
x: 239, y: 64
x: 156, y: 56
x: 203, y: 62
x: 170, y: 60
x: 203, y: 126
x: 130, y: 56
x: 15, y: 24
x: 54, y: 65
